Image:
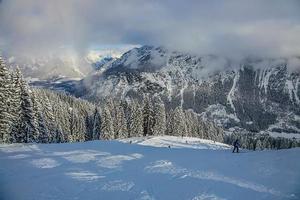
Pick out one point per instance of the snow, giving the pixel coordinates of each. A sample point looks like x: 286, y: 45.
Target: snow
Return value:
x: 230, y: 95
x: 292, y: 88
x: 181, y: 94
x: 118, y: 185
x: 176, y: 142
x: 218, y: 114
x: 84, y: 176
x: 264, y: 78
x: 249, y: 122
x: 296, y: 91
x: 198, y: 169
x: 45, y: 163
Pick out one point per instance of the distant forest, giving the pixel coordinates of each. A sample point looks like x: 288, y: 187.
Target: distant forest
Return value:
x: 33, y: 115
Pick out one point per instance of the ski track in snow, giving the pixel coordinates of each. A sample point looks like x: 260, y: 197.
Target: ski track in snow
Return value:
x: 144, y: 195
x: 118, y: 185
x: 84, y: 176
x: 116, y: 161
x: 45, y: 163
x: 167, y: 167
x: 207, y: 197
x: 19, y: 156
x: 81, y: 156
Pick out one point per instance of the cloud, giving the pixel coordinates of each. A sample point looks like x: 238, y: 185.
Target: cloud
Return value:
x: 226, y: 27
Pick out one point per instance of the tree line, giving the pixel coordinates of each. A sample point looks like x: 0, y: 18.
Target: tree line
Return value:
x: 29, y: 114
x: 257, y: 142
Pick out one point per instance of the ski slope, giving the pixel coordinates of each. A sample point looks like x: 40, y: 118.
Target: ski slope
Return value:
x: 191, y: 169
x: 176, y: 142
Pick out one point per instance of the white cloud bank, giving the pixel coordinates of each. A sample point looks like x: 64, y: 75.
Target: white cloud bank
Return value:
x: 223, y: 27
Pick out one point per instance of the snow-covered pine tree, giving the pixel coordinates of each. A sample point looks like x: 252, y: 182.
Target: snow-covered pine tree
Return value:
x: 179, y: 124
x: 72, y: 125
x: 28, y: 125
x: 190, y: 123
x: 107, y: 130
x: 169, y: 116
x: 42, y: 128
x: 39, y: 119
x: 64, y: 116
x: 89, y: 123
x: 258, y: 145
x: 16, y: 104
x: 47, y: 111
x: 148, y: 119
x: 96, y: 124
x: 5, y: 98
x: 201, y: 130
x: 160, y: 124
x: 59, y: 136
x: 81, y: 130
x: 120, y: 128
x: 135, y: 120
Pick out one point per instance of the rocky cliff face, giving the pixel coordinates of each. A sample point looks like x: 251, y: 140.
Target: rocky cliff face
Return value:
x: 254, y: 95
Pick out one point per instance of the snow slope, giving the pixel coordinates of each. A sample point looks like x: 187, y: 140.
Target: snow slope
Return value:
x: 116, y: 170
x: 176, y: 142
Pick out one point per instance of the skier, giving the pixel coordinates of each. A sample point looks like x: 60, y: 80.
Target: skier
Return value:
x: 236, y: 145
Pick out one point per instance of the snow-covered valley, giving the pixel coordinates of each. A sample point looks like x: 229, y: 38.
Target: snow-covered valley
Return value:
x: 190, y: 169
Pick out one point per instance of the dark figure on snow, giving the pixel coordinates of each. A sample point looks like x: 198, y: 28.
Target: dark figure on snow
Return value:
x: 236, y: 146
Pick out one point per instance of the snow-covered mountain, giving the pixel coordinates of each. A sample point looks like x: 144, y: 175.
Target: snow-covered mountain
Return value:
x: 102, y: 57
x: 252, y: 94
x: 64, y: 64
x: 51, y: 66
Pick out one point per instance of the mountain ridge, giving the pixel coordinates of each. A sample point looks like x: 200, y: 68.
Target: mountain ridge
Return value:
x: 254, y: 94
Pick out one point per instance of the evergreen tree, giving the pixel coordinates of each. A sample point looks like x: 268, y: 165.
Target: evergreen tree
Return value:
x: 28, y: 125
x: 148, y: 119
x: 259, y: 145
x: 120, y: 128
x: 169, y: 120
x: 160, y: 124
x: 96, y: 125
x: 48, y: 115
x: 5, y: 95
x: 135, y: 120
x: 179, y: 124
x: 16, y: 105
x: 107, y: 131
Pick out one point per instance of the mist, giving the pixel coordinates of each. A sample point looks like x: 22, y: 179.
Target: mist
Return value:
x: 232, y: 28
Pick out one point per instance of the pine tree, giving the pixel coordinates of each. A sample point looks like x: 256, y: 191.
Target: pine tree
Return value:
x: 160, y: 124
x: 179, y: 124
x: 120, y: 128
x: 169, y: 116
x: 39, y: 120
x: 148, y: 118
x: 259, y: 145
x: 48, y: 115
x: 16, y: 104
x: 107, y: 131
x: 28, y: 125
x: 96, y: 125
x: 135, y: 120
x: 5, y: 98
